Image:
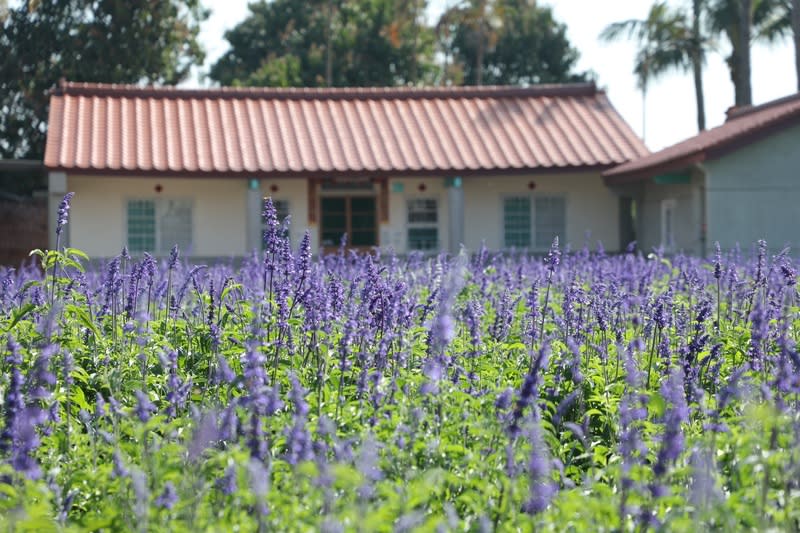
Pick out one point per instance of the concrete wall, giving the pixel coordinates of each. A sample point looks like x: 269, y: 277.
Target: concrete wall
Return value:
x: 754, y: 193
x: 592, y: 208
x: 98, y: 223
x: 687, y: 218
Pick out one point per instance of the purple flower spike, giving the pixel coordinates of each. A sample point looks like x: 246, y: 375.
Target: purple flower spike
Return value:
x: 168, y: 498
x: 63, y: 212
x: 144, y: 407
x: 174, y: 254
x: 553, y: 258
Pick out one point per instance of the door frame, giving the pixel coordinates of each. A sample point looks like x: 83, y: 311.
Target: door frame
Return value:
x: 377, y: 190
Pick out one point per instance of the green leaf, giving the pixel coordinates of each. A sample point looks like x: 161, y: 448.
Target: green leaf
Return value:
x: 19, y: 314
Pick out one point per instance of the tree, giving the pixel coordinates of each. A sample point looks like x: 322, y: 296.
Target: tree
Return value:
x: 794, y: 21
x: 509, y: 42
x: 786, y: 22
x: 742, y: 21
x: 112, y: 41
x: 667, y: 39
x: 328, y: 42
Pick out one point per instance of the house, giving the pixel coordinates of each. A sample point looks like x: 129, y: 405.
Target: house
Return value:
x: 733, y: 184
x: 402, y: 168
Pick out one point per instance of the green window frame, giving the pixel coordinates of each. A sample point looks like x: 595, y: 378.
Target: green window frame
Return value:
x: 155, y: 225
x: 517, y: 222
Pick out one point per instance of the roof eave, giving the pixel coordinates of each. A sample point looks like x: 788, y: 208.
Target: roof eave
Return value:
x: 318, y: 174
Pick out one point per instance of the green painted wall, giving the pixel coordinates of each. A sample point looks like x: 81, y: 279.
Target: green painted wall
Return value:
x: 754, y: 193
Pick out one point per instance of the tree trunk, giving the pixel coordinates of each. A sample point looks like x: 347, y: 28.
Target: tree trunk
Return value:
x: 796, y: 37
x: 482, y: 38
x: 329, y: 47
x: 414, y: 53
x: 697, y: 64
x: 743, y: 88
x: 479, y: 59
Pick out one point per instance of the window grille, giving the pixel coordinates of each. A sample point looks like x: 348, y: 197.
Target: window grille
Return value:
x: 423, y: 224
x: 550, y: 220
x: 156, y: 225
x: 517, y: 222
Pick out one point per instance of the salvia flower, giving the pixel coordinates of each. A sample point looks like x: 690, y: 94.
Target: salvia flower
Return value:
x: 14, y: 400
x: 144, y: 407
x: 542, y: 487
x: 168, y: 497
x: 174, y: 254
x: 259, y: 485
x: 227, y: 483
x: 119, y: 469
x: 717, y: 261
x: 25, y: 442
x: 553, y: 258
x: 63, y: 212
x: 272, y: 229
x: 676, y: 414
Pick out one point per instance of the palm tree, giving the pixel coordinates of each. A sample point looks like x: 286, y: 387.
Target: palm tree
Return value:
x: 786, y: 22
x: 667, y: 39
x: 742, y: 22
x: 697, y: 59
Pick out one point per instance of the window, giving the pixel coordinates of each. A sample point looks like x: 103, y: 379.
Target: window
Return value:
x: 668, y: 207
x: 517, y: 222
x: 156, y: 225
x: 550, y: 220
x: 354, y: 216
x: 423, y: 224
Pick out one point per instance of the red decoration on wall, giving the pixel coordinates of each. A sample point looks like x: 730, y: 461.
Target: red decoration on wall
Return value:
x: 531, y: 185
x: 159, y: 188
x: 273, y: 188
x: 422, y: 187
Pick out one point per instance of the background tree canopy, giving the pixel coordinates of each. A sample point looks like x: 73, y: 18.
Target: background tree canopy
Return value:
x: 290, y: 42
x: 112, y: 41
x: 388, y: 42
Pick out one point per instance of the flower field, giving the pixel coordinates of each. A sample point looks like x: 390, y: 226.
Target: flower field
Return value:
x: 488, y: 392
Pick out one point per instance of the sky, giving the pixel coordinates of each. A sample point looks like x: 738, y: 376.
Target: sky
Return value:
x: 670, y: 109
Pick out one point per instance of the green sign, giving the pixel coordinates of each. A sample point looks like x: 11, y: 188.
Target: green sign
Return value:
x: 674, y: 178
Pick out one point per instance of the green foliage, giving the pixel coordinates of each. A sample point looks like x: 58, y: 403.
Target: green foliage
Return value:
x: 111, y: 41
x: 287, y: 43
x: 509, y: 42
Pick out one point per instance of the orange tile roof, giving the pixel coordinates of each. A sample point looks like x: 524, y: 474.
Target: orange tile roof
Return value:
x: 743, y: 126
x: 121, y: 129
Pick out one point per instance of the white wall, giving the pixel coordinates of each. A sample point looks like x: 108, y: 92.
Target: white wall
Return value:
x: 591, y: 207
x: 98, y: 223
x: 98, y: 215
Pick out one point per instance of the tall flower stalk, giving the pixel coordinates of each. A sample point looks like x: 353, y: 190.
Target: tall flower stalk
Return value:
x: 63, y: 217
